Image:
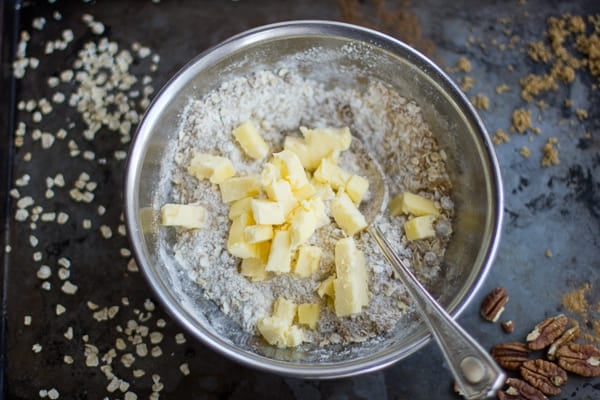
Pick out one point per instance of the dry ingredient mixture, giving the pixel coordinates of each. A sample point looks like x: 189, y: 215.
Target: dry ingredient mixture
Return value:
x: 389, y: 125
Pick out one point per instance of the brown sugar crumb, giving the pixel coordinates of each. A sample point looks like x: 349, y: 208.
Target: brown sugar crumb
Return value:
x: 539, y: 52
x: 533, y: 85
x: 566, y: 73
x: 500, y: 137
x: 525, y: 152
x: 568, y: 103
x: 510, y: 67
x: 521, y: 120
x: 463, y: 65
x: 548, y: 253
x: 550, y: 151
x: 581, y: 114
x: 576, y: 302
x: 502, y: 88
x: 481, y: 102
x: 467, y: 83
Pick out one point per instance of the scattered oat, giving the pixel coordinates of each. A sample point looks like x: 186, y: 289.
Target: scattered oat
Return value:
x: 548, y: 253
x: 68, y: 359
x: 68, y: 333
x: 69, y: 288
x: 180, y: 338
x: 581, y: 114
x: 185, y: 369
x: 60, y: 309
x: 36, y: 348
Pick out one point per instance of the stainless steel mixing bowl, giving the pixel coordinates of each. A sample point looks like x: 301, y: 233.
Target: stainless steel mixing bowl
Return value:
x: 340, y: 55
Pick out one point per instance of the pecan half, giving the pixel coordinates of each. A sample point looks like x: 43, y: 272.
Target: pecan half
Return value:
x: 520, y: 390
x: 581, y: 359
x: 544, y: 375
x: 510, y: 355
x: 493, y: 304
x: 567, y: 337
x: 546, y: 332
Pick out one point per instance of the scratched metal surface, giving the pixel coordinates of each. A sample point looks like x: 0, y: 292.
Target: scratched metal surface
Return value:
x: 556, y: 208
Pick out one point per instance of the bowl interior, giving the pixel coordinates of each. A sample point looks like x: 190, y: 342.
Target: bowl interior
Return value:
x: 338, y: 55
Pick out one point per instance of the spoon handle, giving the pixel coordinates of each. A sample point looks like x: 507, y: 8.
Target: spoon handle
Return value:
x: 476, y: 373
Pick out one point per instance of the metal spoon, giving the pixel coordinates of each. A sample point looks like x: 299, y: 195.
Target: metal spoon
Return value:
x: 476, y: 373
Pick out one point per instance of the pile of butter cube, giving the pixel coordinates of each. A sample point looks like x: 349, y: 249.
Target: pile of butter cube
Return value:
x: 275, y: 213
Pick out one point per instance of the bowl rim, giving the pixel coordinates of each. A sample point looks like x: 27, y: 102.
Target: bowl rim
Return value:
x: 281, y: 30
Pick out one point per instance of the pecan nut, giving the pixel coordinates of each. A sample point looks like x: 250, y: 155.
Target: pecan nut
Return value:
x: 493, y: 304
x: 546, y: 332
x: 544, y: 375
x: 570, y: 335
x: 510, y: 355
x: 508, y: 326
x: 581, y: 359
x: 520, y: 390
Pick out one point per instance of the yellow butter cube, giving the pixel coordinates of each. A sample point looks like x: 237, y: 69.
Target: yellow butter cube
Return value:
x: 350, y: 286
x: 317, y: 207
x: 308, y: 261
x: 303, y: 223
x: 252, y: 143
x: 318, y: 144
x: 253, y: 268
x: 274, y: 330
x: 294, y: 336
x: 280, y: 253
x: 291, y: 168
x: 346, y: 215
x: 267, y: 212
x: 326, y: 287
x: 420, y: 227
x: 308, y: 314
x: 285, y: 310
x: 239, y: 207
x: 206, y: 166
x: 409, y: 203
x: 184, y: 215
x: 305, y: 192
x: 323, y: 190
x: 357, y: 187
x: 269, y: 174
x: 329, y: 172
x: 258, y: 233
x: 237, y: 188
x: 281, y: 192
x: 236, y: 243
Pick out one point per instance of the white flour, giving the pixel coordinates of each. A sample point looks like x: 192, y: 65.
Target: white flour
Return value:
x: 389, y: 125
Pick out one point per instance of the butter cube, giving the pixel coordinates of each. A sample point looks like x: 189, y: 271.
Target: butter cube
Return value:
x: 285, y: 310
x: 323, y: 190
x: 318, y: 144
x: 303, y: 223
x: 252, y: 143
x: 258, y: 233
x: 409, y: 203
x: 253, y: 268
x: 291, y: 168
x: 350, y: 287
x: 357, y: 187
x: 236, y: 243
x: 308, y: 261
x: 346, y: 215
x: 206, y: 166
x: 274, y: 330
x: 326, y: 287
x: 308, y: 314
x: 237, y: 188
x: 267, y: 212
x: 293, y: 336
x: 305, y: 192
x: 317, y: 206
x: 280, y: 253
x: 184, y: 215
x: 269, y: 174
x: 239, y: 207
x: 281, y: 192
x: 329, y: 172
x: 420, y: 227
